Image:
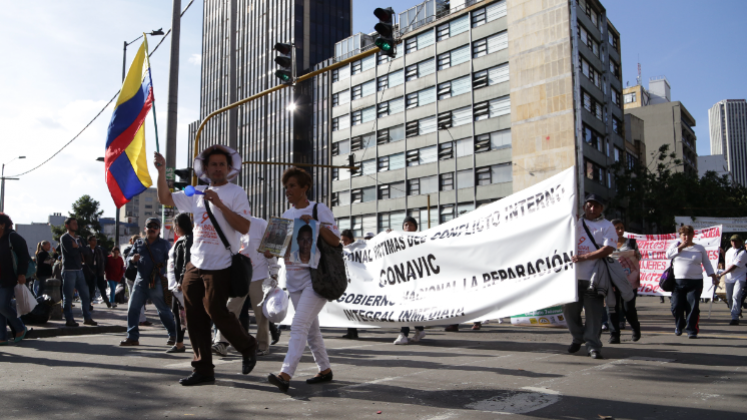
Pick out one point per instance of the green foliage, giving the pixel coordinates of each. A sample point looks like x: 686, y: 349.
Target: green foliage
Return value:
x: 655, y: 196
x: 86, y: 211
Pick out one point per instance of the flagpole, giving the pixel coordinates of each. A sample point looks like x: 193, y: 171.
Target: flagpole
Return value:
x: 153, y: 103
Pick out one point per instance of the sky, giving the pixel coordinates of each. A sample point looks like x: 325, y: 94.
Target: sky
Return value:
x: 63, y: 63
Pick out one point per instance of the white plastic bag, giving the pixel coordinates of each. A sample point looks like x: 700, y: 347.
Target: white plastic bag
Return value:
x: 25, y: 300
x: 276, y: 305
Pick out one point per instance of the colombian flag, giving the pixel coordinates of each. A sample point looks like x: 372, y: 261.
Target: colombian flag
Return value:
x: 125, y: 160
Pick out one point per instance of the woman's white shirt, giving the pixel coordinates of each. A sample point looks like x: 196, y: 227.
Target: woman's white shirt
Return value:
x: 687, y: 263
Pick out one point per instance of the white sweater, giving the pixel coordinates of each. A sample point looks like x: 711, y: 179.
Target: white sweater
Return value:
x: 688, y: 261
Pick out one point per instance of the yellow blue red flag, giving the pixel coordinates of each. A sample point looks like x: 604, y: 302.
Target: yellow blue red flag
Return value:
x: 125, y: 160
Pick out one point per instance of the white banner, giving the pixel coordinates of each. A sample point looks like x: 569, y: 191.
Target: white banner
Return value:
x: 654, y: 260
x: 728, y: 224
x: 510, y: 257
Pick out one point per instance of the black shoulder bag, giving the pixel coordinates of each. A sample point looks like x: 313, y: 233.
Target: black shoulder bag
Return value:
x: 241, y: 265
x: 131, y: 269
x: 330, y: 278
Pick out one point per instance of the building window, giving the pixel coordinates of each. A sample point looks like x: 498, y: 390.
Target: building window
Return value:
x: 364, y: 115
x: 363, y: 64
x: 390, y: 107
x: 341, y: 148
x: 148, y: 206
x: 614, y: 40
x: 617, y: 126
x: 591, y: 105
x: 390, y: 80
x: 453, y: 28
x: 422, y: 156
x: 494, y: 174
x: 419, y: 42
x: 465, y: 179
x: 364, y: 89
x: 453, y: 57
x: 413, y: 186
x: 446, y: 181
x: 340, y: 123
x: 454, y: 87
x: 615, y: 69
x: 420, y: 127
x: 464, y: 147
x: 589, y: 71
x: 341, y: 98
x: 391, y: 162
x: 490, y: 76
x: 446, y: 213
x: 594, y: 172
x: 383, y: 59
x: 493, y: 108
x: 391, y: 134
x: 629, y: 97
x: 493, y: 141
x: 341, y: 198
x: 341, y: 74
x: 592, y: 138
x: 618, y: 154
x: 490, y: 44
x: 489, y: 13
x: 455, y: 118
x: 363, y: 195
x: 586, y: 39
x: 615, y: 96
x: 446, y: 151
x: 420, y: 69
x: 420, y: 98
x: 362, y: 142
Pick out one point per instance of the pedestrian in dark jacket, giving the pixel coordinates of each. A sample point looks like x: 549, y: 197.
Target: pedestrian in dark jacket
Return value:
x: 44, y: 262
x: 11, y: 273
x: 94, y: 258
x: 72, y: 275
x: 180, y: 256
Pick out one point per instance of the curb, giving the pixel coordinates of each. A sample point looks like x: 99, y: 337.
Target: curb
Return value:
x: 66, y: 331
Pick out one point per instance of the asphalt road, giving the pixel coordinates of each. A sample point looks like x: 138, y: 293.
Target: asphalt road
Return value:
x: 498, y: 372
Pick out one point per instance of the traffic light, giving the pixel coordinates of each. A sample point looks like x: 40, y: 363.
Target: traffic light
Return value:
x: 385, y: 28
x: 185, y: 178
x: 285, y: 61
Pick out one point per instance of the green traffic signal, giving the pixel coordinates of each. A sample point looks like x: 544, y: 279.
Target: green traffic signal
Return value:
x: 384, y: 44
x: 284, y: 75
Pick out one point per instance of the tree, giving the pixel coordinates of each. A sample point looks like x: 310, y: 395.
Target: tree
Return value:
x: 655, y: 196
x: 86, y: 212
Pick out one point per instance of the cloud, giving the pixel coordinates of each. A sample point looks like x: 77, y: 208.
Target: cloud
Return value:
x: 195, y: 59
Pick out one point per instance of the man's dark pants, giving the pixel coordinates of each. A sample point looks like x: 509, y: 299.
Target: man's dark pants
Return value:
x: 686, y: 300
x: 95, y: 281
x: 593, y: 306
x: 621, y: 309
x: 205, y: 298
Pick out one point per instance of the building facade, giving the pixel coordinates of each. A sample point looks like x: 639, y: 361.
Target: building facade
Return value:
x: 265, y: 130
x: 482, y: 100
x: 137, y: 211
x: 727, y: 122
x: 713, y: 163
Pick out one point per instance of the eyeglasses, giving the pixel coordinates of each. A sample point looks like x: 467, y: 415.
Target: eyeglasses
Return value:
x: 153, y: 226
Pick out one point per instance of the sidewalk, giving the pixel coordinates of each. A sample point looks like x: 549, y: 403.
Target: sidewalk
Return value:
x: 110, y: 321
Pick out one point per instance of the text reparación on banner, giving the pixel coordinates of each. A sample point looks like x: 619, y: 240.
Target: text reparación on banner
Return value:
x: 510, y: 257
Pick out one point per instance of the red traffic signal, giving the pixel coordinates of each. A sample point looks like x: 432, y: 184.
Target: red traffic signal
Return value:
x: 284, y: 49
x: 385, y: 15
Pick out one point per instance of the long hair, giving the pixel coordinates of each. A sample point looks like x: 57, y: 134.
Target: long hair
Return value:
x: 40, y: 246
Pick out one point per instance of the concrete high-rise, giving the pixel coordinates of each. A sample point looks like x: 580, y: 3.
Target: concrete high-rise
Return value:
x: 727, y: 121
x: 264, y: 130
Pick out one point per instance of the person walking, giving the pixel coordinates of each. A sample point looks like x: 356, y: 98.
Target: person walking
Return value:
x: 72, y: 275
x: 44, y: 266
x: 11, y: 274
x: 591, y: 228
x: 411, y: 225
x: 687, y: 258
x: 736, y: 277
x: 150, y: 256
x: 207, y: 281
x: 263, y: 268
x: 114, y: 272
x: 178, y: 259
x: 306, y: 302
x: 143, y: 321
x: 628, y: 255
x: 94, y: 258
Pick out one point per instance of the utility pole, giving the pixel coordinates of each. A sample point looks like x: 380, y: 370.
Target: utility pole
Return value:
x: 2, y: 183
x: 173, y: 101
x: 232, y: 92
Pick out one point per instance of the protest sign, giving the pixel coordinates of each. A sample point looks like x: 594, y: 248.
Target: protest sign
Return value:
x: 654, y: 261
x: 510, y: 257
x: 548, y: 317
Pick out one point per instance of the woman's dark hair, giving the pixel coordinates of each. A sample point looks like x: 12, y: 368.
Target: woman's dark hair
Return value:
x: 184, y: 222
x: 302, y: 177
x: 218, y: 151
x: 348, y: 234
x: 616, y: 222
x: 5, y: 221
x: 686, y: 229
x: 305, y: 228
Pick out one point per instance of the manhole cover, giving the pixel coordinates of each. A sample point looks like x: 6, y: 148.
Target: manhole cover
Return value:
x: 515, y: 402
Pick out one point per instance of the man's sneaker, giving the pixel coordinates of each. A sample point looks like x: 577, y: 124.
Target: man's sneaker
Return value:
x: 417, y: 336
x: 90, y: 322
x: 614, y: 339
x: 677, y: 332
x: 574, y: 347
x: 401, y: 340
x: 734, y: 322
x: 596, y: 354
x: 220, y: 349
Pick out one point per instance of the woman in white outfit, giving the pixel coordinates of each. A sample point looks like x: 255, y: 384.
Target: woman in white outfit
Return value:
x: 306, y: 302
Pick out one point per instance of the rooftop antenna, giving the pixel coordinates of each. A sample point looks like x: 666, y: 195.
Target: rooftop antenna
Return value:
x: 638, y: 80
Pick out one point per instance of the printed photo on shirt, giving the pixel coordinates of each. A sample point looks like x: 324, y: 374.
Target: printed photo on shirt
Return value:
x: 303, y: 243
x: 277, y: 236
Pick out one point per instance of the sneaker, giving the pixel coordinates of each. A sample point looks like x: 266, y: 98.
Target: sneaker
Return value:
x: 401, y: 340
x: 90, y: 322
x: 596, y: 354
x: 605, y: 327
x: 734, y: 322
x: 419, y: 335
x: 220, y: 349
x: 677, y: 332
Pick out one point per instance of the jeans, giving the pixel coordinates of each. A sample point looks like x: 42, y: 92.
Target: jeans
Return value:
x: 112, y: 290
x: 130, y: 286
x: 593, y: 305
x: 8, y: 314
x: 39, y: 285
x: 734, y: 293
x: 685, y: 304
x: 305, y: 327
x: 140, y: 293
x: 72, y: 280
x: 621, y: 309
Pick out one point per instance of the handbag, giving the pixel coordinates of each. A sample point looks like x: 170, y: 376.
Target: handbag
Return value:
x: 131, y: 269
x: 32, y: 265
x: 330, y: 278
x: 241, y: 265
x: 155, y: 274
x: 666, y: 281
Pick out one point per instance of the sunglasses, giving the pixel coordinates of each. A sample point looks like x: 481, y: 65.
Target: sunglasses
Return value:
x: 153, y: 226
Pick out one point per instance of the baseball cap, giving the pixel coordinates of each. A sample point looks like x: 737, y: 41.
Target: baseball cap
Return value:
x: 594, y: 197
x: 153, y: 220
x: 736, y: 238
x: 369, y: 235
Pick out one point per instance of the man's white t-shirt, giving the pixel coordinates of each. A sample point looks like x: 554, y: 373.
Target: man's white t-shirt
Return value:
x: 208, y: 251
x: 604, y: 234
x: 250, y: 243
x: 298, y: 276
x: 740, y: 261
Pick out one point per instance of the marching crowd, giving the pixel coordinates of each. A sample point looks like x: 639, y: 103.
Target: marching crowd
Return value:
x: 189, y: 283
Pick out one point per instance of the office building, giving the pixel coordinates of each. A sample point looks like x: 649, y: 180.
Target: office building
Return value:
x: 665, y: 122
x: 265, y: 130
x: 713, y: 163
x: 727, y: 121
x: 137, y: 211
x: 483, y: 99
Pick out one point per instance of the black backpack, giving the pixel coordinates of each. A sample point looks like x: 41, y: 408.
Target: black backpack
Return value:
x: 330, y: 278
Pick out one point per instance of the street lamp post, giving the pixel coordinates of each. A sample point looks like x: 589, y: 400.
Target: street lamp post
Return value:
x: 124, y: 74
x: 2, y: 184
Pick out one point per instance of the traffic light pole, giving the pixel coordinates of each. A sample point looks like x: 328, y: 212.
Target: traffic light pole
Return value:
x: 303, y: 78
